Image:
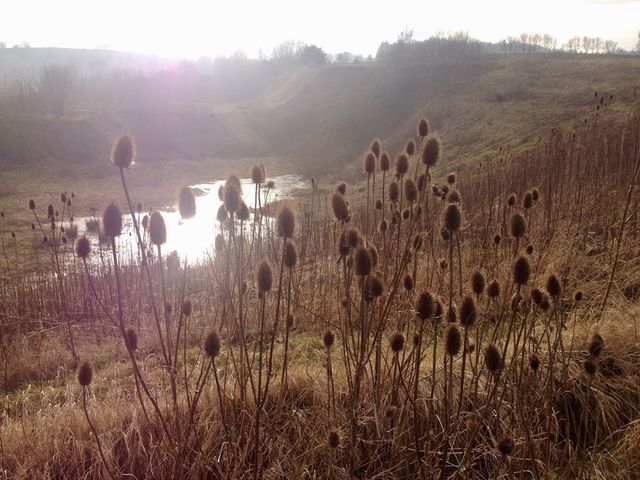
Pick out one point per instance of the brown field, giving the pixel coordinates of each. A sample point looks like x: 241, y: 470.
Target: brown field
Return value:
x: 472, y: 325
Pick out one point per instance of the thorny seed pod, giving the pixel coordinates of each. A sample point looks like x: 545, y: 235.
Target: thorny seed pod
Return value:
x: 537, y: 296
x: 32, y: 204
x: 83, y: 247
x: 468, y: 312
x: 341, y: 188
x: 511, y: 199
x: 378, y: 204
x: 453, y: 340
x: 596, y: 345
x: 264, y: 276
x: 578, y: 296
x: 521, y: 271
x: 290, y: 256
x: 123, y: 152
x: 257, y: 173
x: 375, y: 286
x: 353, y: 237
x: 527, y: 200
x: 286, y: 222
x: 222, y: 215
x: 375, y: 147
x: 410, y: 148
x: 112, y: 221
x: 385, y: 162
x: 492, y: 358
x: 518, y: 226
x: 232, y: 195
x: 402, y: 164
x: 397, y: 342
x: 529, y: 249
x: 369, y: 163
x: 535, y: 194
x: 219, y: 242
x: 406, y: 214
x: 131, y: 339
x: 394, y: 191
x: 212, y: 344
x: 408, y: 282
x: 454, y: 197
x: 339, y: 206
x: 496, y: 239
x: 590, y: 367
x: 243, y: 211
x: 187, y: 203
x: 186, y: 308
x: 374, y: 255
x: 534, y: 362
x: 85, y: 374
x: 477, y: 282
x: 423, y: 127
x: 553, y: 286
x: 451, y: 178
x: 333, y: 439
x: 431, y: 152
x: 422, y: 182
x: 505, y: 445
x: 452, y: 218
x: 362, y: 261
x: 424, y: 306
x: 157, y: 229
x: 328, y: 338
x: 410, y: 190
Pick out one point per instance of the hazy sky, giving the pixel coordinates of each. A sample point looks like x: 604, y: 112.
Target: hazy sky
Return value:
x: 190, y: 28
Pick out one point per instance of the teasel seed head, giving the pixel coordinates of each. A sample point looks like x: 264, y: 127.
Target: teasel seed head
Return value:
x: 423, y: 127
x: 590, y: 367
x: 410, y: 190
x: 527, y: 200
x: 511, y: 199
x: 243, y: 213
x: 212, y: 344
x: 384, y: 225
x: 232, y: 195
x: 553, y: 286
x: 341, y: 188
x: 157, y: 229
x: 537, y: 296
x: 375, y: 147
x: 344, y: 248
x: 290, y: 257
x: 187, y: 203
x: 468, y: 312
x: 112, y: 220
x: 424, y: 306
x: 402, y: 164
x: 534, y: 362
x: 333, y: 440
x: 339, y: 206
x: 535, y: 194
x: 83, y: 247
x: 422, y: 182
x: 257, y: 173
x: 518, y: 226
x: 186, y: 308
x: 596, y: 345
x: 492, y: 358
x: 408, y: 283
x: 453, y: 340
x: 222, y: 216
x: 373, y: 252
x: 353, y: 237
x: 375, y: 286
x: 131, y: 339
x: 454, y: 197
x: 529, y: 249
x: 32, y: 204
x: 431, y: 152
x: 145, y: 222
x: 123, y: 152
x: 521, y: 271
x: 452, y: 218
x: 452, y: 314
x: 394, y: 191
x: 85, y: 374
x: 397, y: 342
x: 264, y: 276
x: 385, y: 162
x: 328, y: 338
x: 505, y: 445
x: 362, y: 261
x: 451, y: 178
x: 497, y: 239
x: 286, y: 222
x: 219, y: 243
x: 477, y: 282
x: 410, y: 148
x: 578, y: 296
x: 369, y: 163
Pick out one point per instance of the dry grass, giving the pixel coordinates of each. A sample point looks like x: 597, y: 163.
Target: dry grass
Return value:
x: 232, y: 389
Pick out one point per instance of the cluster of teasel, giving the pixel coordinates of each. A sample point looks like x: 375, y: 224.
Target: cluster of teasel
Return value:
x: 432, y: 342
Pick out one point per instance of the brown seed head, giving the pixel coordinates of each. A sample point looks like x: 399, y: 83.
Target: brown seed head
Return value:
x: 521, y: 271
x: 264, y: 276
x: 290, y: 256
x: 187, y: 203
x: 212, y: 344
x: 123, y: 152
x: 453, y: 340
x: 112, y: 221
x: 397, y: 342
x: 83, y: 247
x: 424, y: 306
x: 468, y: 312
x: 157, y: 229
x: 85, y: 374
x: 492, y: 358
x: 286, y: 222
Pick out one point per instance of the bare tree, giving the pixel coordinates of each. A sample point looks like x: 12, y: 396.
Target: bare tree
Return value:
x: 56, y: 82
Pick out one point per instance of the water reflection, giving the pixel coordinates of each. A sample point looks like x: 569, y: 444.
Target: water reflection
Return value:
x: 193, y: 238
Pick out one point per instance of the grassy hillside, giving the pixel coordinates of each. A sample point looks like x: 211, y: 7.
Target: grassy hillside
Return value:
x: 318, y: 120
